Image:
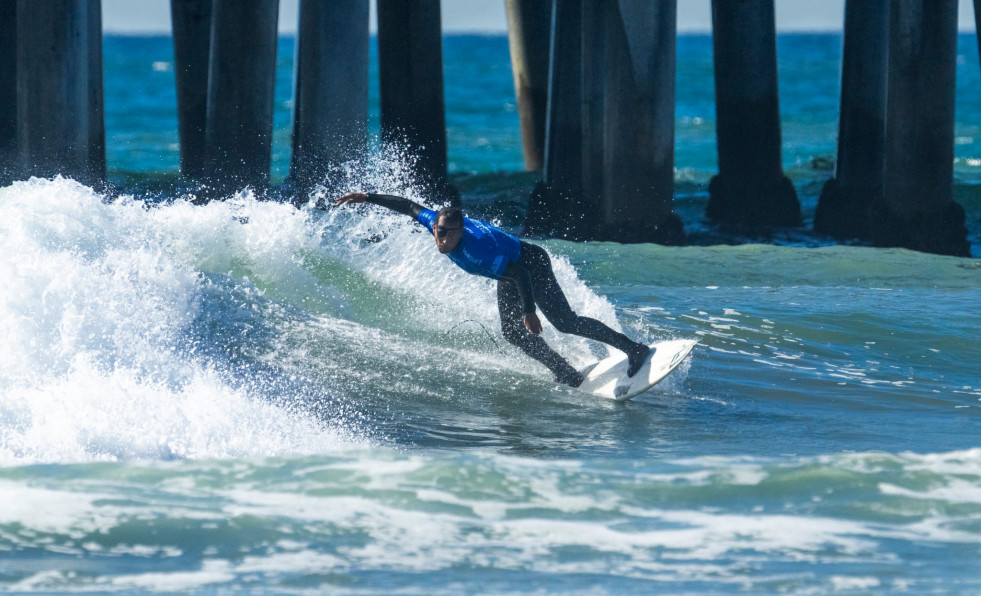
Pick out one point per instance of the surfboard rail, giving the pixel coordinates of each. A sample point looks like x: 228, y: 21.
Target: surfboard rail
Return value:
x: 608, y: 377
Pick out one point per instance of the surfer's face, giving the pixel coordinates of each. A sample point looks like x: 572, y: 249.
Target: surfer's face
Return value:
x: 447, y: 235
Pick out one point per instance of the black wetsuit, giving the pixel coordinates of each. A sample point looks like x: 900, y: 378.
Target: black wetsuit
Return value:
x: 549, y: 297
x: 522, y: 285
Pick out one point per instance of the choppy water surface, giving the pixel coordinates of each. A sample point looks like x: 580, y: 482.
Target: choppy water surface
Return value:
x: 243, y: 396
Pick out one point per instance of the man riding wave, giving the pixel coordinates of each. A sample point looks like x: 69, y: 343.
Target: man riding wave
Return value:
x: 524, y: 280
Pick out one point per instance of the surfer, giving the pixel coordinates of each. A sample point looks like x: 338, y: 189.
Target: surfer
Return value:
x: 524, y: 278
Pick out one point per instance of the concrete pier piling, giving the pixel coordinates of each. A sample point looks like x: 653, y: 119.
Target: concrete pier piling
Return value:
x: 609, y: 169
x: 97, y: 114
x: 330, y: 122
x: 917, y: 209
x: 977, y: 22
x: 8, y: 92
x: 750, y: 189
x: 59, y: 89
x: 242, y: 76
x: 594, y: 82
x: 628, y: 119
x: 529, y: 23
x: 410, y: 56
x: 556, y: 206
x: 191, y: 21
x: 845, y: 206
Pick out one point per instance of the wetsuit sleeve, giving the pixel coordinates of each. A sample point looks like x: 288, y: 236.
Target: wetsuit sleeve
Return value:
x: 397, y: 204
x: 521, y: 278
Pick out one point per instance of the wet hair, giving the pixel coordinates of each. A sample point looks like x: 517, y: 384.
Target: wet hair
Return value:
x: 452, y: 216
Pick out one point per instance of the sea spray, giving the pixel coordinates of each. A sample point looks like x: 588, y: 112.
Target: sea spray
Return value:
x: 140, y: 330
x: 105, y: 313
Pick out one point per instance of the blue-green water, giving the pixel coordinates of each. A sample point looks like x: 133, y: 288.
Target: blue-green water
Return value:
x: 243, y: 396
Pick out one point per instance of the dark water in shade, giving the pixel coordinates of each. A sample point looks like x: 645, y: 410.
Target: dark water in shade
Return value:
x: 246, y: 397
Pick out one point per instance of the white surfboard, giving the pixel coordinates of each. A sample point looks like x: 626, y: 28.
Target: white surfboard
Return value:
x: 608, y: 378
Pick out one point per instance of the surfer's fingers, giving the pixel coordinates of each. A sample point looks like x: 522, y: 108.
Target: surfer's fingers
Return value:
x: 533, y: 324
x: 351, y: 198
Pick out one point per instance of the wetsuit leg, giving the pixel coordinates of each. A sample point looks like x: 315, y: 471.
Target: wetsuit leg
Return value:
x: 552, y: 301
x: 512, y: 326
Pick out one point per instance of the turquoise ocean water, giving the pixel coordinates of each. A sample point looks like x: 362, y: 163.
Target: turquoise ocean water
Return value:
x: 243, y: 396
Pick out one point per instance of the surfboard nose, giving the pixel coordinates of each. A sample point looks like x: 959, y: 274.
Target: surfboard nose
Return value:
x: 608, y: 378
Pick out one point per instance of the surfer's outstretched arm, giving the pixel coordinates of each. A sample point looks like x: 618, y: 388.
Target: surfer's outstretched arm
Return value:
x: 398, y: 204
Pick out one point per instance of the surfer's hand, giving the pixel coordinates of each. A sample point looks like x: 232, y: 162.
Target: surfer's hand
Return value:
x: 351, y: 198
x: 532, y: 324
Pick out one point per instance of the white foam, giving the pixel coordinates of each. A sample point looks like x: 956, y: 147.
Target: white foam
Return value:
x: 211, y: 572
x: 414, y: 514
x: 108, y: 306
x: 52, y: 511
x: 100, y: 304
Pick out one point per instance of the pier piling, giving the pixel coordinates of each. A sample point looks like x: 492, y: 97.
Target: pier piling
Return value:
x: 8, y: 92
x: 97, y: 114
x: 845, y: 207
x: 59, y: 89
x: 750, y: 189
x: 330, y: 123
x: 917, y: 209
x: 609, y: 166
x: 528, y: 36
x: 628, y: 119
x: 977, y: 23
x: 594, y: 82
x: 191, y: 21
x: 242, y: 76
x: 410, y: 56
x: 556, y: 206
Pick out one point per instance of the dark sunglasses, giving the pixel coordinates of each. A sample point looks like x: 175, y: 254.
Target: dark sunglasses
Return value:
x: 442, y: 231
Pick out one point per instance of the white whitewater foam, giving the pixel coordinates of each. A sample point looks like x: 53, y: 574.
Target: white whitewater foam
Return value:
x: 98, y: 304
x: 108, y: 305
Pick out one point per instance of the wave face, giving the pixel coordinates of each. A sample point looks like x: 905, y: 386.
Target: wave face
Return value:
x: 233, y: 329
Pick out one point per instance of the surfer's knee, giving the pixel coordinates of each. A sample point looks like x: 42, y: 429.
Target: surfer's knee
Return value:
x: 565, y: 324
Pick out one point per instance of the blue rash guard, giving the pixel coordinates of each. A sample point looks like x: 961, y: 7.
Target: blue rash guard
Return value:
x: 525, y: 277
x: 483, y: 250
